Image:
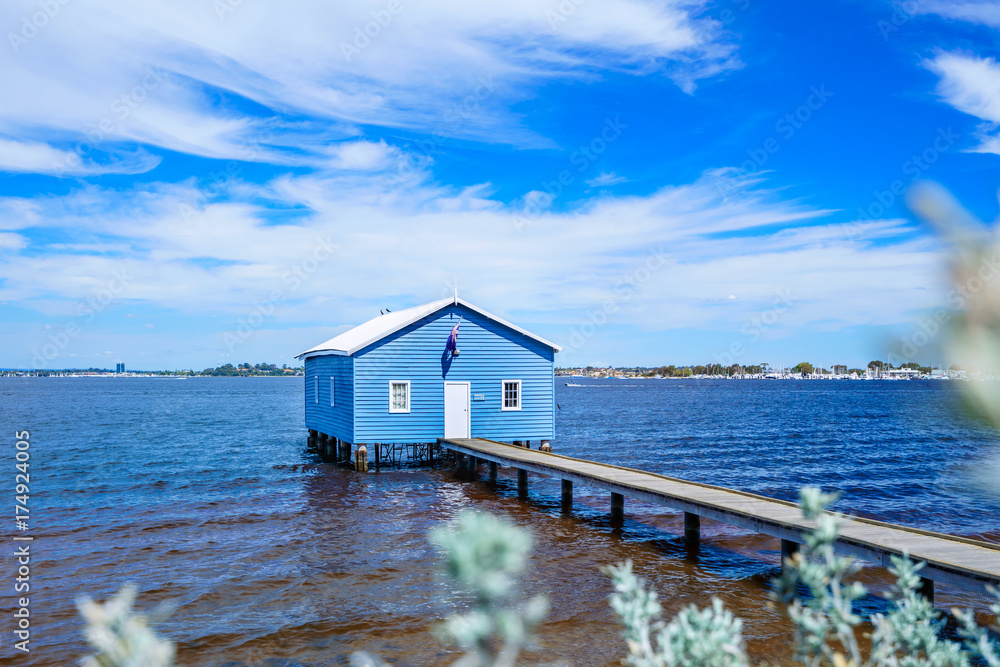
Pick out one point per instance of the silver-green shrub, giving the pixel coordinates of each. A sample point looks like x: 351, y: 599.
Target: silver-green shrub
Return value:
x: 486, y: 555
x: 977, y: 639
x: 694, y: 638
x: 827, y: 612
x: 120, y: 636
x: 825, y: 623
x: 826, y: 626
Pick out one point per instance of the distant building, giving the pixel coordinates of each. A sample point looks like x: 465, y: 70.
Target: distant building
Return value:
x: 403, y: 378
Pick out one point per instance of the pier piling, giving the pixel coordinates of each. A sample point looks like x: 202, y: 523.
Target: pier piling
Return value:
x: 927, y: 589
x: 567, y: 495
x: 522, y: 483
x: 617, y: 509
x: 361, y: 458
x: 788, y: 549
x: 692, y: 530
x: 493, y: 472
x: 311, y: 441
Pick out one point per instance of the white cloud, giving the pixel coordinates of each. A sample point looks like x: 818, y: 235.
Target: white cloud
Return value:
x: 972, y: 85
x: 361, y: 155
x: 605, y: 179
x: 983, y: 12
x: 178, y: 75
x: 17, y: 213
x: 706, y: 250
x: 41, y: 158
x: 11, y: 241
x: 969, y: 83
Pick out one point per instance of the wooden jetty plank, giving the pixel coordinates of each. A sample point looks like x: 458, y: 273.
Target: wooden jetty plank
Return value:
x: 958, y: 561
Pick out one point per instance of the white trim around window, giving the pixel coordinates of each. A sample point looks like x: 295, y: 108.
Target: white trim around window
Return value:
x: 510, y: 395
x: 399, y: 395
x: 333, y: 391
x: 316, y: 389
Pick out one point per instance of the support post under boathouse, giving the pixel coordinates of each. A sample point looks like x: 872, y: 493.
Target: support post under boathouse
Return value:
x: 391, y: 387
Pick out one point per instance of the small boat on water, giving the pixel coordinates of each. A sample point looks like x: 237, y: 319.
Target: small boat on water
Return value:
x: 572, y: 384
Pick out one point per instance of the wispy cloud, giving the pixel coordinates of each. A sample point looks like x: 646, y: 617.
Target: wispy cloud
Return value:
x: 184, y: 77
x: 362, y: 155
x: 606, y: 178
x: 746, y: 246
x: 11, y: 241
x: 982, y: 12
x: 971, y: 84
x: 41, y: 158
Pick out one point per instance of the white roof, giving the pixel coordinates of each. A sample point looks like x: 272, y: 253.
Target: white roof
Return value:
x: 378, y: 328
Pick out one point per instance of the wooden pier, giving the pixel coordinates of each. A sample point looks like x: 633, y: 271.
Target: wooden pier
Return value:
x: 956, y: 561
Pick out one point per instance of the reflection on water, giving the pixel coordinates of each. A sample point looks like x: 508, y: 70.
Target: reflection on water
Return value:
x: 200, y: 491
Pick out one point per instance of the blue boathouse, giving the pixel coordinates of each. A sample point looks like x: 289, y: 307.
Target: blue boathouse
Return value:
x: 447, y: 369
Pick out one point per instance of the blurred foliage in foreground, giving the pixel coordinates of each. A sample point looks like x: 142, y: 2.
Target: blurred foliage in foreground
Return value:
x: 486, y: 555
x: 973, y: 339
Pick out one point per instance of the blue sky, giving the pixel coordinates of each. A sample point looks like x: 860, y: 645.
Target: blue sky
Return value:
x: 193, y: 183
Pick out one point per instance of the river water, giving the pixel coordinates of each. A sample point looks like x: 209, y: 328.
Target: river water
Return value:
x: 201, y: 492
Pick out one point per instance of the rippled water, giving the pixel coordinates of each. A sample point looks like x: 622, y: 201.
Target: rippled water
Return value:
x: 200, y: 491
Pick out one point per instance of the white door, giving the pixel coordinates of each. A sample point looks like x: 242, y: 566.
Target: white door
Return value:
x: 456, y: 409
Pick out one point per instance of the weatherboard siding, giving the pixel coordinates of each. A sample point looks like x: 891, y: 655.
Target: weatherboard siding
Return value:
x: 336, y: 421
x: 490, y: 353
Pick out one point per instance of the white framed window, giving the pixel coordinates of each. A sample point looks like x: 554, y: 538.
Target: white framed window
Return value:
x: 333, y: 391
x: 510, y: 395
x: 316, y: 389
x: 399, y: 395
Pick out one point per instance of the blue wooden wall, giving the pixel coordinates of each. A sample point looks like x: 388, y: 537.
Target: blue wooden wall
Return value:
x: 337, y: 421
x: 489, y: 353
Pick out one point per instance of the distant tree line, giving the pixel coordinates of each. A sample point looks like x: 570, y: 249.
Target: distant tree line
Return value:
x: 804, y: 368
x: 246, y: 369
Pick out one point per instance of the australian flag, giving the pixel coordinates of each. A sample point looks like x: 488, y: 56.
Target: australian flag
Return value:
x: 452, y: 344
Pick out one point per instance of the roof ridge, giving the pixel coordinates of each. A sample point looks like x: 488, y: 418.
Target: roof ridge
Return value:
x: 377, y: 328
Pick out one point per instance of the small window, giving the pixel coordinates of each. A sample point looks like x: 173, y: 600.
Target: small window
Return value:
x: 316, y: 389
x: 399, y: 396
x: 333, y: 392
x: 511, y: 395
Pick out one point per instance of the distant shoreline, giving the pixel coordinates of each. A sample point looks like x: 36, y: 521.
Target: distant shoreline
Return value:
x: 570, y: 383
x: 767, y: 379
x: 165, y: 376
